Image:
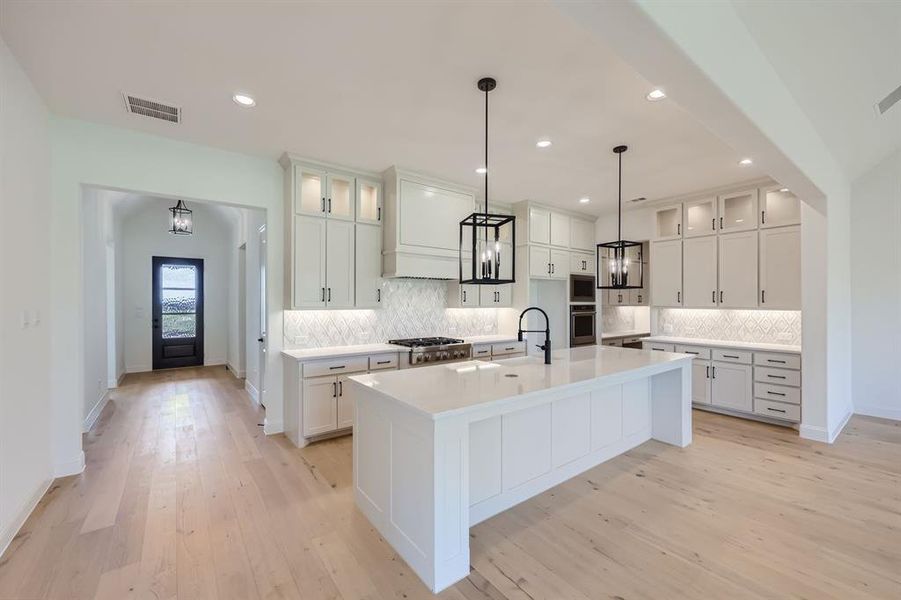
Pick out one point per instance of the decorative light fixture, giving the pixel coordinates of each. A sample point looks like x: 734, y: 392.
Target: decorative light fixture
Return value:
x: 244, y: 100
x: 181, y: 221
x: 619, y: 263
x: 655, y: 95
x: 484, y: 237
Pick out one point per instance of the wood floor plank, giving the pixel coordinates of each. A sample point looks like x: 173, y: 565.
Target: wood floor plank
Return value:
x: 184, y: 497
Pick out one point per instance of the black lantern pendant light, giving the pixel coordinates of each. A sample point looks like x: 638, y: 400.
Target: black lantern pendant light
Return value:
x: 181, y: 220
x: 619, y: 263
x: 487, y: 241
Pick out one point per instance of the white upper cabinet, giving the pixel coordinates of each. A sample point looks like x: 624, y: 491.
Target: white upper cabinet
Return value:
x: 339, y: 201
x: 738, y: 211
x: 309, y: 262
x: 539, y: 226
x: 559, y: 230
x: 668, y: 222
x: 700, y: 217
x: 339, y: 264
x: 780, y: 268
x: 666, y: 273
x: 699, y: 272
x: 369, y: 200
x: 368, y: 263
x: 581, y: 235
x: 738, y: 270
x: 778, y: 207
x: 309, y: 192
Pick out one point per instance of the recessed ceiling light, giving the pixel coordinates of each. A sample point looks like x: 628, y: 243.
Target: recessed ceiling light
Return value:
x: 543, y: 143
x: 481, y: 170
x: 655, y: 95
x: 783, y: 190
x: 244, y: 100
x: 585, y: 200
x: 745, y: 162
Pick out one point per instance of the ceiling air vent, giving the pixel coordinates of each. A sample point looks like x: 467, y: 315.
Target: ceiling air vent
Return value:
x: 889, y: 101
x: 152, y: 108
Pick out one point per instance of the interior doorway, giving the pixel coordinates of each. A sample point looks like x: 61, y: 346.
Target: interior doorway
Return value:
x: 177, y: 312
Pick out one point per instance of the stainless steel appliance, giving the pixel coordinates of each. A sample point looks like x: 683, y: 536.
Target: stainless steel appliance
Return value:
x: 582, y: 326
x: 581, y: 288
x: 431, y: 350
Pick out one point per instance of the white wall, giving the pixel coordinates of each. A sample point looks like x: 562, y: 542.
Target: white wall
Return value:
x: 86, y: 154
x: 876, y: 289
x: 26, y: 467
x: 145, y: 235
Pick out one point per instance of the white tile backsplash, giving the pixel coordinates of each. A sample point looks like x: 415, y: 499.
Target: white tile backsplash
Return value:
x: 411, y: 308
x: 770, y: 326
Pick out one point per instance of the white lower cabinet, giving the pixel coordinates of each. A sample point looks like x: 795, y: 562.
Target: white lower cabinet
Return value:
x: 732, y: 386
x: 320, y: 409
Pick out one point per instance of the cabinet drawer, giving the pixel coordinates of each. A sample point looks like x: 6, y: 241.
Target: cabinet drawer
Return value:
x: 783, y: 361
x: 383, y: 361
x: 508, y: 348
x: 658, y: 347
x: 777, y: 376
x: 781, y: 393
x: 481, y: 351
x: 778, y: 410
x: 733, y: 356
x: 335, y: 366
x: 697, y: 351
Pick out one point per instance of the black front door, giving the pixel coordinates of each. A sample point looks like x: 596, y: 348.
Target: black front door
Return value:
x: 177, y: 312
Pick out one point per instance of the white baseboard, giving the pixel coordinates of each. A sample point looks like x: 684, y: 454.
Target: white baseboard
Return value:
x: 95, y: 413
x: 238, y: 373
x: 10, y: 531
x: 273, y: 427
x: 69, y: 467
x: 883, y: 412
x: 252, y: 391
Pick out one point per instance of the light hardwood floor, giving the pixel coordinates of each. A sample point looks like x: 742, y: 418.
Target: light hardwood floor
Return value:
x: 183, y: 496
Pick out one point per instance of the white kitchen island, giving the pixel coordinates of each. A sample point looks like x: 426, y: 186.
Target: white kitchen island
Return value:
x: 441, y: 448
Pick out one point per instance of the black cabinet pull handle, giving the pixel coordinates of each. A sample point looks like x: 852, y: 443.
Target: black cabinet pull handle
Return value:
x: 774, y: 393
x: 778, y: 410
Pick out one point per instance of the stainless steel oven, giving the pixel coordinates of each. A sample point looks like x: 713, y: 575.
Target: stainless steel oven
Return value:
x: 581, y: 288
x: 582, y: 326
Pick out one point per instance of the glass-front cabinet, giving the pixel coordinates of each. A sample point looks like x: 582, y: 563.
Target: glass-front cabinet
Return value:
x: 738, y: 211
x: 310, y: 192
x: 369, y: 201
x: 668, y: 222
x: 778, y: 206
x: 700, y: 217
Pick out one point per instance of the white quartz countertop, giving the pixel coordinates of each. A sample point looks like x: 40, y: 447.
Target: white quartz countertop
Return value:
x: 361, y: 349
x: 724, y: 344
x: 450, y: 389
x: 335, y: 351
x: 610, y: 335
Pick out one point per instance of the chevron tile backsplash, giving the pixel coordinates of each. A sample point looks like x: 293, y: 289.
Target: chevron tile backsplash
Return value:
x: 411, y: 308
x: 770, y: 326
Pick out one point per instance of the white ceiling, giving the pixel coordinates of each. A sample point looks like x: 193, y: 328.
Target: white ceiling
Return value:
x: 838, y: 59
x: 369, y: 85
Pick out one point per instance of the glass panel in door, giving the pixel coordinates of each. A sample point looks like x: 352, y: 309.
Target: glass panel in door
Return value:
x: 310, y: 192
x: 340, y: 198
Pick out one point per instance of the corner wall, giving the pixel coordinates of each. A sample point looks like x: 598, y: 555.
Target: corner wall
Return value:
x: 26, y: 467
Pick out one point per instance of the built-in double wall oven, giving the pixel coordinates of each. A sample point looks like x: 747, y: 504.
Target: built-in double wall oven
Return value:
x: 582, y: 326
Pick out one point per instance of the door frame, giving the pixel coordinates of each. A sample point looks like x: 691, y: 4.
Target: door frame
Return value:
x: 157, y: 312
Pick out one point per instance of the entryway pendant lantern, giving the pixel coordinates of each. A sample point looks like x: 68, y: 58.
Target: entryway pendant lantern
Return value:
x: 181, y: 221
x: 487, y: 241
x: 619, y: 263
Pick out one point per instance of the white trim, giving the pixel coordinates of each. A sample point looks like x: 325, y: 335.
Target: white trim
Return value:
x: 838, y: 428
x: 252, y: 391
x: 92, y: 417
x: 70, y: 467
x: 883, y: 412
x: 273, y: 427
x: 9, y: 534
